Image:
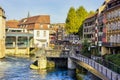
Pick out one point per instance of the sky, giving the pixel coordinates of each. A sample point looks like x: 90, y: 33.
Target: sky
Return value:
x: 57, y: 9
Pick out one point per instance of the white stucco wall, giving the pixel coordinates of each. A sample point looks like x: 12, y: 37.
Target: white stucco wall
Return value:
x: 37, y: 39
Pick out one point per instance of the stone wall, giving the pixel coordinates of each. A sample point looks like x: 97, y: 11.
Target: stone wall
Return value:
x: 71, y: 64
x: 42, y: 62
x: 2, y: 48
x: 17, y: 51
x: 2, y: 33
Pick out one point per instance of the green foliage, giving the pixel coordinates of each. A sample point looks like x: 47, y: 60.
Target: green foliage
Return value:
x: 80, y: 31
x: 91, y: 13
x: 71, y: 22
x: 85, y: 46
x: 81, y: 15
x: 74, y: 20
x: 114, y: 58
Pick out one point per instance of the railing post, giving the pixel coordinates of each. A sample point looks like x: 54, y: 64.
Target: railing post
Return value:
x: 88, y: 62
x: 111, y: 75
x: 94, y: 64
x: 101, y: 69
x: 98, y: 66
x: 91, y: 62
x: 106, y: 72
x: 116, y: 77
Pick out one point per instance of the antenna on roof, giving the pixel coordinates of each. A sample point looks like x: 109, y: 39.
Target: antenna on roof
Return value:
x: 28, y: 14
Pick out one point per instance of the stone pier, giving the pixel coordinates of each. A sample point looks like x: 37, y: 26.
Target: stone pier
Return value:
x: 71, y: 64
x: 42, y: 62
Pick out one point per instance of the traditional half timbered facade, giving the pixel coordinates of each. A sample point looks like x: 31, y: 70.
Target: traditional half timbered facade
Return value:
x: 112, y: 15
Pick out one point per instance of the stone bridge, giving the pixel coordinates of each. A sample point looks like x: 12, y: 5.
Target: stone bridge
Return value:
x: 53, y: 53
x: 91, y: 65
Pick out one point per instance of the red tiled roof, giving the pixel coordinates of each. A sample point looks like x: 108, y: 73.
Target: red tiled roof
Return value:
x: 90, y: 16
x: 35, y: 22
x: 43, y: 19
x: 12, y: 23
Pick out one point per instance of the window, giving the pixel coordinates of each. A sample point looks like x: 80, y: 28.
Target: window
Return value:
x: 38, y: 33
x: 41, y: 26
x: 43, y: 45
x: 44, y: 33
x: 24, y: 20
x: 48, y: 26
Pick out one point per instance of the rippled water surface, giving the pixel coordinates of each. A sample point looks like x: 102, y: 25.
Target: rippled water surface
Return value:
x: 14, y: 68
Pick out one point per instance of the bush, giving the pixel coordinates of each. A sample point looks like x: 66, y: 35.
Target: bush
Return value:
x: 114, y: 58
x: 85, y: 46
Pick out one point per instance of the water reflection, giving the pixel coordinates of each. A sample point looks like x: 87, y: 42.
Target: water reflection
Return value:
x: 60, y: 74
x: 42, y: 73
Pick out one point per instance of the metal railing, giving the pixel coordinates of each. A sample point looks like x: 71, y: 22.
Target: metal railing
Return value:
x: 109, y: 65
x: 111, y: 75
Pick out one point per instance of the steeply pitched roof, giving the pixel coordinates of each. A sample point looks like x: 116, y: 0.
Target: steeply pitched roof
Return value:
x: 43, y: 19
x: 12, y: 23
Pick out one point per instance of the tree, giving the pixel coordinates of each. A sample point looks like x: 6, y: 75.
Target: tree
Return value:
x: 81, y: 15
x: 91, y: 13
x: 85, y: 48
x: 72, y: 22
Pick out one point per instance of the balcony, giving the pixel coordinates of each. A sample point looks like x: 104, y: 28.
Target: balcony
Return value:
x: 113, y: 4
x: 107, y: 44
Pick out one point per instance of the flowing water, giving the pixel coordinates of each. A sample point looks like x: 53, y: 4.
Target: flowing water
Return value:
x: 14, y: 68
x: 17, y: 68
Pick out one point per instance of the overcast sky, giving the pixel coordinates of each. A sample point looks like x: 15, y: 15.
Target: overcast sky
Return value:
x: 57, y: 9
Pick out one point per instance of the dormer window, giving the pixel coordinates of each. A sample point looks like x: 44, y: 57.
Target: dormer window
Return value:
x: 24, y: 20
x: 41, y: 26
x: 48, y: 26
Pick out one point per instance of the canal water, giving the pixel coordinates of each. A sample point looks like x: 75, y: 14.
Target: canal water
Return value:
x: 17, y: 68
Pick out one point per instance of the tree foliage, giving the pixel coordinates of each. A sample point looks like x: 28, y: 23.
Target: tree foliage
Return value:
x: 91, y: 13
x: 85, y: 48
x: 72, y: 21
x: 114, y: 58
x: 81, y: 14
